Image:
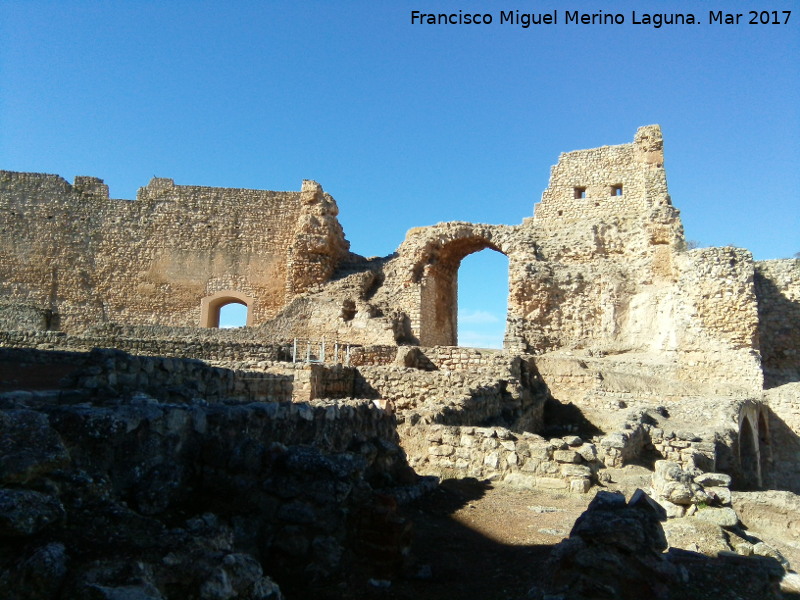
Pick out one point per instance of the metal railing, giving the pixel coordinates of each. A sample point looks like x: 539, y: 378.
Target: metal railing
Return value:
x: 315, y: 351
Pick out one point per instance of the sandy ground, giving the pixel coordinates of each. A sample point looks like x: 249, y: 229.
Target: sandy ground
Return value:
x: 474, y: 540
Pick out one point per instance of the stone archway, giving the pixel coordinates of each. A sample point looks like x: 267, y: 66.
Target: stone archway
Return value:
x: 754, y: 445
x: 434, y: 256
x: 748, y: 455
x: 211, y: 305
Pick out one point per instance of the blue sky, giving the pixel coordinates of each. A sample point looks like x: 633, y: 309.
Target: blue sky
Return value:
x: 409, y: 125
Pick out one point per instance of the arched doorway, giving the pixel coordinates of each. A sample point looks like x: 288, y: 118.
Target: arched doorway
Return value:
x: 748, y: 455
x: 482, y: 287
x: 439, y: 285
x: 210, y: 307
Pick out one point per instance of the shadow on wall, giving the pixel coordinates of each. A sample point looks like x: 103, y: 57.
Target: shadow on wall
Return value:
x: 453, y: 557
x: 778, y: 326
x: 782, y: 469
x: 562, y: 419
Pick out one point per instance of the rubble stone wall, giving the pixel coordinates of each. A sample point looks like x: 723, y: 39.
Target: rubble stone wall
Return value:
x: 782, y: 447
x: 192, y: 344
x: 188, y: 495
x: 103, y: 372
x: 601, y: 266
x: 521, y: 459
x: 777, y: 287
x: 87, y: 259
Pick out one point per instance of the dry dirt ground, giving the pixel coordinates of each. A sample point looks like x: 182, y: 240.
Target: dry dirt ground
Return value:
x: 474, y: 540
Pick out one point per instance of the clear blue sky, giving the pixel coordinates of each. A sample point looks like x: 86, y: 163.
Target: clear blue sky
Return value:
x: 408, y: 125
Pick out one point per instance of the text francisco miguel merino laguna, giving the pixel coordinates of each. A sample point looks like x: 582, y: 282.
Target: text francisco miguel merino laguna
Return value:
x: 576, y: 17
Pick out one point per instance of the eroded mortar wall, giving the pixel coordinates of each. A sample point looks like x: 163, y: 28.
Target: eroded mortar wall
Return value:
x: 777, y: 287
x: 601, y: 267
x: 71, y: 257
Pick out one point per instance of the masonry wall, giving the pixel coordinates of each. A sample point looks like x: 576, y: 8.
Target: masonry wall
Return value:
x: 70, y: 251
x: 777, y: 287
x: 600, y: 267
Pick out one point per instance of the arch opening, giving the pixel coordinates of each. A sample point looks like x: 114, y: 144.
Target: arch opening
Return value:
x: 233, y: 314
x: 748, y: 456
x: 482, y: 307
x: 228, y: 308
x: 439, y: 301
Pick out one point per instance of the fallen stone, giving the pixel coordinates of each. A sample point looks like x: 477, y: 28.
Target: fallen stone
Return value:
x: 713, y: 479
x: 723, y: 516
x: 26, y: 512
x: 29, y: 447
x: 696, y: 535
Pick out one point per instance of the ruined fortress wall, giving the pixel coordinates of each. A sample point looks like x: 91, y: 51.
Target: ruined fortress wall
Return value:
x: 601, y: 266
x: 777, y: 287
x: 606, y: 201
x: 79, y: 258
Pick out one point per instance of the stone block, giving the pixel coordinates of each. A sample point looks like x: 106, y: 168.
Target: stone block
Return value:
x: 566, y: 456
x: 616, y: 440
x: 520, y: 480
x: 489, y: 444
x: 724, y: 517
x: 721, y: 494
x: 551, y: 483
x: 541, y: 452
x: 713, y: 479
x: 579, y: 486
x: 531, y: 465
x: 570, y: 470
x: 492, y: 460
x: 549, y: 468
x: 443, y: 450
x: 588, y: 452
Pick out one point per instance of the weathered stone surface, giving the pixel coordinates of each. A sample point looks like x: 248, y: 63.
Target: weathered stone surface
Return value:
x: 38, y: 575
x: 713, y: 480
x: 26, y: 512
x: 616, y: 549
x: 723, y: 516
x: 697, y: 535
x: 566, y: 456
x: 29, y: 447
x: 613, y: 549
x: 152, y: 498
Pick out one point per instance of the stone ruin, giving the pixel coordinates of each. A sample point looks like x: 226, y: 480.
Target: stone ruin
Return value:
x: 120, y: 393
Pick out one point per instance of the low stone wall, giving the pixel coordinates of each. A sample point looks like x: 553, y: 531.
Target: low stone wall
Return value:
x: 23, y: 316
x: 455, y: 358
x: 176, y: 342
x: 373, y: 355
x: 520, y: 459
x: 509, y: 394
x: 313, y: 381
x: 113, y: 372
x: 640, y: 439
x: 203, y: 495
